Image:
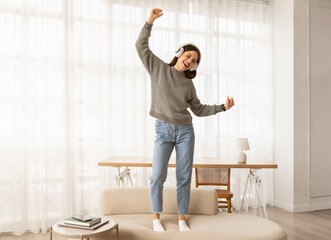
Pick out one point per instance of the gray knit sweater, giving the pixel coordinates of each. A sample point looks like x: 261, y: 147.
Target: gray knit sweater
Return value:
x: 172, y: 92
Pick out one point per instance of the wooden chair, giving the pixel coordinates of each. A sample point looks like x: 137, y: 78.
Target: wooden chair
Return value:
x: 216, y: 177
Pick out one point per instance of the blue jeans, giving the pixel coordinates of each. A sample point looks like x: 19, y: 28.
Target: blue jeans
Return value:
x: 168, y: 137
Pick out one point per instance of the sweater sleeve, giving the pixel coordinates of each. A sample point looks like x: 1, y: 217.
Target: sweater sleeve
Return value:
x: 148, y: 58
x: 202, y: 110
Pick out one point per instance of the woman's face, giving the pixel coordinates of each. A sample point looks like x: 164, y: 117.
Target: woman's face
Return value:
x: 186, y: 61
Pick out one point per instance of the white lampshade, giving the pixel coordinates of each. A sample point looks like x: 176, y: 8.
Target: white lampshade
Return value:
x: 242, y: 144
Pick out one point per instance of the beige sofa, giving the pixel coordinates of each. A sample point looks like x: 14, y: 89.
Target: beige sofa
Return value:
x: 131, y: 208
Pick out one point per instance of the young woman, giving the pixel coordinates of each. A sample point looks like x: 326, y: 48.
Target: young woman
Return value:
x: 172, y: 93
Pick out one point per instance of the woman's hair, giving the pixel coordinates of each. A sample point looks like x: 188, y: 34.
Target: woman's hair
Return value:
x: 189, y: 74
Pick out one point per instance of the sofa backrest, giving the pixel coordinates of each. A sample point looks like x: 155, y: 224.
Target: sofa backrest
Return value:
x: 137, y: 200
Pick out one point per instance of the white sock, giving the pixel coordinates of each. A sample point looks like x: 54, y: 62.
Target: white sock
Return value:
x: 183, y: 226
x: 157, y: 226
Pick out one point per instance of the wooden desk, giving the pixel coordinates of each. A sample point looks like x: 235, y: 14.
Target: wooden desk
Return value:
x: 204, y: 162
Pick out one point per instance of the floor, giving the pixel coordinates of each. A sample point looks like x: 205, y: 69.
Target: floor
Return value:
x: 299, y: 226
x: 303, y: 226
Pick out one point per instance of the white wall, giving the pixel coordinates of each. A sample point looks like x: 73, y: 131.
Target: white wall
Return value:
x: 283, y: 101
x: 320, y: 102
x: 301, y: 106
x: 303, y: 166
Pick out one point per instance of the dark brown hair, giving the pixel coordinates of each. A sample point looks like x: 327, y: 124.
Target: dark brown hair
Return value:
x: 189, y: 74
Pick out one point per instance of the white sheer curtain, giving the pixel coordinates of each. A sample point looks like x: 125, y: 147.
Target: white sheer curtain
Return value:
x: 74, y: 92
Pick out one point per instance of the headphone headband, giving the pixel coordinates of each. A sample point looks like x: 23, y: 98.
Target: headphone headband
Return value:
x: 181, y: 50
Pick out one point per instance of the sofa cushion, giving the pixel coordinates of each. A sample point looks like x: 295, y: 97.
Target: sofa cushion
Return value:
x: 137, y: 201
x: 203, y: 227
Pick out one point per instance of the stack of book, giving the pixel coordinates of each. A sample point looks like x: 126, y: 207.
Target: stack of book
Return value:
x: 83, y: 222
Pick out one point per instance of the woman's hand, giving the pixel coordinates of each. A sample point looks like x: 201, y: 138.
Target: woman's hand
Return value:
x: 155, y: 13
x: 229, y: 103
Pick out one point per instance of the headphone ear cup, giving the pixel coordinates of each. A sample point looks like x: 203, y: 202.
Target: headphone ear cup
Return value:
x: 194, y: 67
x: 179, y: 52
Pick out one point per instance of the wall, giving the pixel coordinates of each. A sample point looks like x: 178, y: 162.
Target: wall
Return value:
x: 283, y: 102
x: 301, y: 106
x: 302, y: 112
x: 320, y: 102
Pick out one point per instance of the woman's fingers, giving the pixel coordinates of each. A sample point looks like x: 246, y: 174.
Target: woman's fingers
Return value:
x: 229, y: 102
x: 157, y: 12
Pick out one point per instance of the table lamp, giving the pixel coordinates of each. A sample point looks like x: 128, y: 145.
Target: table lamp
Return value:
x: 241, y: 145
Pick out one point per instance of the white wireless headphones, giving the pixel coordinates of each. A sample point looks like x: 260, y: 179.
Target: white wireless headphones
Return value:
x: 181, y: 50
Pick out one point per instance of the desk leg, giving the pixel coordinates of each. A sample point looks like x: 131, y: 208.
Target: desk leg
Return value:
x: 264, y: 208
x: 259, y: 193
x: 252, y: 178
x: 257, y: 186
x: 118, y: 177
x: 249, y: 194
x: 50, y: 233
x: 129, y: 176
x: 121, y: 176
x: 243, y: 198
x: 260, y: 197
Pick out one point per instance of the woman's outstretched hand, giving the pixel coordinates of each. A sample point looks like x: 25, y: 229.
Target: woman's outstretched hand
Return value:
x: 229, y: 103
x: 155, y: 13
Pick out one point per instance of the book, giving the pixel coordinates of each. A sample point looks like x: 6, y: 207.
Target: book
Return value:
x: 73, y: 221
x: 82, y: 218
x: 95, y: 226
